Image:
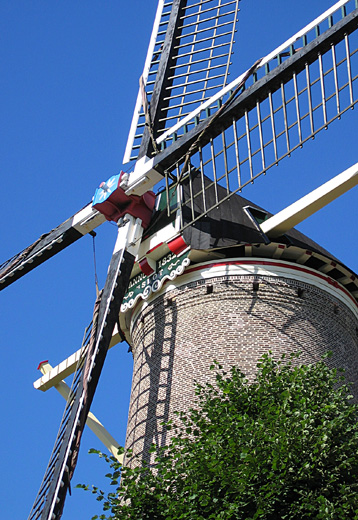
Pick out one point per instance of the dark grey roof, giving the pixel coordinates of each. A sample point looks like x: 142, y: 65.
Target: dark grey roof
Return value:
x: 230, y: 224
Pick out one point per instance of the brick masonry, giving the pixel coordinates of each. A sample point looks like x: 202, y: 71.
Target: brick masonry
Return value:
x: 176, y: 337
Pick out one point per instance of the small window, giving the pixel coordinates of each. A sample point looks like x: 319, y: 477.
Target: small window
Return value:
x: 257, y: 215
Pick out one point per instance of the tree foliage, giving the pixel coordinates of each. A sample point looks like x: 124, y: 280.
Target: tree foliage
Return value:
x: 283, y: 447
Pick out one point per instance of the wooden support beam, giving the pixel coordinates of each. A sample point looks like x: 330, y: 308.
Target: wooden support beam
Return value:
x: 304, y: 257
x: 92, y: 422
x: 289, y: 217
x: 67, y: 367
x: 327, y: 267
x: 279, y: 250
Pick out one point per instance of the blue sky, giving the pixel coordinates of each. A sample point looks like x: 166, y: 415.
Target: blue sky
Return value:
x: 67, y: 90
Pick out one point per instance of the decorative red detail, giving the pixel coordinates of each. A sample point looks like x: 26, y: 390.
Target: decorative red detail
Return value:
x: 177, y: 245
x: 145, y: 267
x: 42, y: 363
x: 153, y: 248
x: 278, y: 264
x: 118, y: 204
x: 281, y: 246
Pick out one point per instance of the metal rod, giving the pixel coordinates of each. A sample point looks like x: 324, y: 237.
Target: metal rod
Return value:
x: 225, y: 161
x: 206, y: 20
x: 273, y: 125
x: 187, y: 103
x: 309, y: 97
x: 247, y: 126
x: 231, y: 41
x: 202, y: 178
x: 211, y: 53
x: 322, y: 88
x: 191, y: 54
x: 335, y: 77
x: 297, y: 107
x: 167, y: 192
x: 191, y: 83
x: 284, y: 108
x: 179, y: 198
x: 191, y: 191
x: 198, y: 51
x: 224, y: 24
x: 237, y: 152
x: 180, y: 65
x: 349, y: 71
x: 214, y: 170
x: 209, y: 38
x: 201, y: 2
x: 209, y: 9
x: 260, y: 134
x: 196, y: 72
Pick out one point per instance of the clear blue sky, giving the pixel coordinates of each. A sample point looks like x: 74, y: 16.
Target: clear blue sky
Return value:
x: 69, y: 76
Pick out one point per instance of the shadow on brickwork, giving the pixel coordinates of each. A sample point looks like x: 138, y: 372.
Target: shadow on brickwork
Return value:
x: 157, y: 362
x: 286, y: 319
x: 306, y: 330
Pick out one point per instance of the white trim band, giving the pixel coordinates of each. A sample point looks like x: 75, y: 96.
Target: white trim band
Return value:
x: 255, y: 267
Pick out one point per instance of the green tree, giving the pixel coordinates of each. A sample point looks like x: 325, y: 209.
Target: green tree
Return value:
x: 283, y: 447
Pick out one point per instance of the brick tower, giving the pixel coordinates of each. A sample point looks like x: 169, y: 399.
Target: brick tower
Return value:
x: 240, y: 297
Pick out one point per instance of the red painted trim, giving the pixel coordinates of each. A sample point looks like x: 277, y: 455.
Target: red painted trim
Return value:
x: 145, y: 267
x: 177, y: 245
x: 42, y: 362
x: 153, y: 248
x: 327, y: 279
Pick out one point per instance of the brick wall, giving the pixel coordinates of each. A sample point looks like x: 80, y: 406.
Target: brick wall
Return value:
x: 176, y: 337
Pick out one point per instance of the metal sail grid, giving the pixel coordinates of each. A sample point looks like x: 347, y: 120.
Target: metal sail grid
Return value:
x: 200, y: 58
x: 285, y: 103
x: 42, y: 497
x: 53, y: 490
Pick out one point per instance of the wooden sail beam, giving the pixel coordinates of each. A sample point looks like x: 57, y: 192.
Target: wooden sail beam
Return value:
x: 92, y: 422
x: 289, y: 217
x: 67, y: 367
x: 49, y: 244
x: 258, y: 91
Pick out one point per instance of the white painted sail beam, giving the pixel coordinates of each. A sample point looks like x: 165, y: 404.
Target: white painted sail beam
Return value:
x: 145, y: 73
x: 66, y: 367
x: 92, y: 422
x: 231, y: 86
x: 298, y: 211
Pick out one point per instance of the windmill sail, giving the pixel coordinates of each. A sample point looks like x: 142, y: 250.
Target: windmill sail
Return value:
x: 49, y: 244
x: 274, y: 108
x: 50, y: 500
x: 188, y: 61
x: 289, y: 96
x: 42, y: 502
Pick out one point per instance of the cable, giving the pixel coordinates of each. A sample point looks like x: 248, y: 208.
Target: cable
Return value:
x: 93, y: 235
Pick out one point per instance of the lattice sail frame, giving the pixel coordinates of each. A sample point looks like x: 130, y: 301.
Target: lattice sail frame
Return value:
x: 40, y: 501
x: 199, y: 57
x: 286, y: 102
